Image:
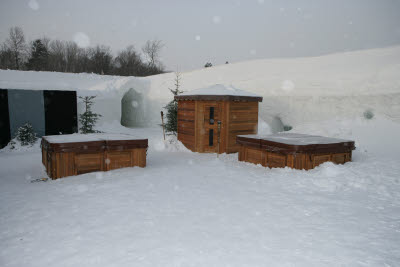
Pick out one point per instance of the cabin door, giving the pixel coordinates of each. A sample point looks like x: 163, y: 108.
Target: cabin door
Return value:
x: 212, y: 114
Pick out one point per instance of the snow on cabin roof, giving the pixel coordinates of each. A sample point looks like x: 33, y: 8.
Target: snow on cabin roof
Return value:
x: 77, y: 138
x: 219, y: 92
x: 297, y: 139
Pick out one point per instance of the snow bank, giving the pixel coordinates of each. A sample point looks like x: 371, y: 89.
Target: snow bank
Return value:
x: 379, y: 137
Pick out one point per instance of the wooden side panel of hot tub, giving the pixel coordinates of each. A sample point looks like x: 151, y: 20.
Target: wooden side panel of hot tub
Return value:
x: 59, y: 164
x: 297, y: 161
x: 127, y: 158
x: 62, y: 164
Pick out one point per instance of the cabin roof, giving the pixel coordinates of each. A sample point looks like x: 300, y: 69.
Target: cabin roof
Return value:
x: 219, y: 92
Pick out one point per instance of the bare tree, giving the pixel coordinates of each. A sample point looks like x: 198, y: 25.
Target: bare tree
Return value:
x: 57, y: 59
x: 71, y: 56
x: 101, y: 59
x: 46, y: 42
x: 16, y: 43
x: 66, y: 56
x: 152, y: 50
x: 83, y: 61
x: 6, y: 57
x: 128, y: 62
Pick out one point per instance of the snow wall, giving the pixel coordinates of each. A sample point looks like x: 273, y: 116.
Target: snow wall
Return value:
x: 296, y: 91
x: 302, y: 90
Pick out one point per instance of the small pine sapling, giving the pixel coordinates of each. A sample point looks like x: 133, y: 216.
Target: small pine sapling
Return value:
x: 26, y: 135
x: 172, y: 107
x: 88, y: 119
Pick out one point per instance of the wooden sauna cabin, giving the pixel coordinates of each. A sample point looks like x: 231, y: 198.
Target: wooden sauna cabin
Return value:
x: 209, y: 119
x: 298, y: 151
x: 73, y: 154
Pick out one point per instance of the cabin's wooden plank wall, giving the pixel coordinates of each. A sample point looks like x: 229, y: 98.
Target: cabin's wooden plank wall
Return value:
x: 242, y: 119
x: 186, y: 123
x: 62, y: 164
x: 299, y: 161
x: 236, y: 118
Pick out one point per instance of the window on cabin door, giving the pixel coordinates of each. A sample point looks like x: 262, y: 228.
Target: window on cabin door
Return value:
x: 210, y: 130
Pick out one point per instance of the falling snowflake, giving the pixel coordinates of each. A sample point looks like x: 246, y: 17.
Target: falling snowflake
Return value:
x: 135, y: 104
x: 33, y: 4
x: 197, y: 37
x: 81, y: 39
x: 287, y: 85
x: 216, y: 19
x: 253, y: 52
x: 260, y: 1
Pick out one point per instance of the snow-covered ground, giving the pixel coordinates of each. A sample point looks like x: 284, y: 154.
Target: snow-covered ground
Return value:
x: 191, y: 209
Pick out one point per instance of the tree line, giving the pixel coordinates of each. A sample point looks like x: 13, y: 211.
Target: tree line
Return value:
x: 44, y: 54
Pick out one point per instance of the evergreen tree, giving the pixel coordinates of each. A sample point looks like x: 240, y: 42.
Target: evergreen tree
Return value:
x: 88, y: 119
x: 172, y: 107
x: 26, y: 135
x: 208, y: 64
x: 39, y: 56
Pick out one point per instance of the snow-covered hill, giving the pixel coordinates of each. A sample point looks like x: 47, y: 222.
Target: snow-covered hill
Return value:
x: 301, y: 90
x: 295, y: 90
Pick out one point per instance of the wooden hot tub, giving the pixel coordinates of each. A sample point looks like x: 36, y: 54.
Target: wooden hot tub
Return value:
x: 72, y: 154
x: 298, y: 151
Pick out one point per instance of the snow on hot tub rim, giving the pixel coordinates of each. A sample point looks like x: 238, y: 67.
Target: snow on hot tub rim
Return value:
x: 297, y: 139
x: 79, y: 138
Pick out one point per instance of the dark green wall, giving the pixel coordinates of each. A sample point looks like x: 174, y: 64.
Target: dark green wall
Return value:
x: 26, y: 106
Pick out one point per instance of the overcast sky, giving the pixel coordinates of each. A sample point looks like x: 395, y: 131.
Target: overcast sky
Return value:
x: 195, y: 32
